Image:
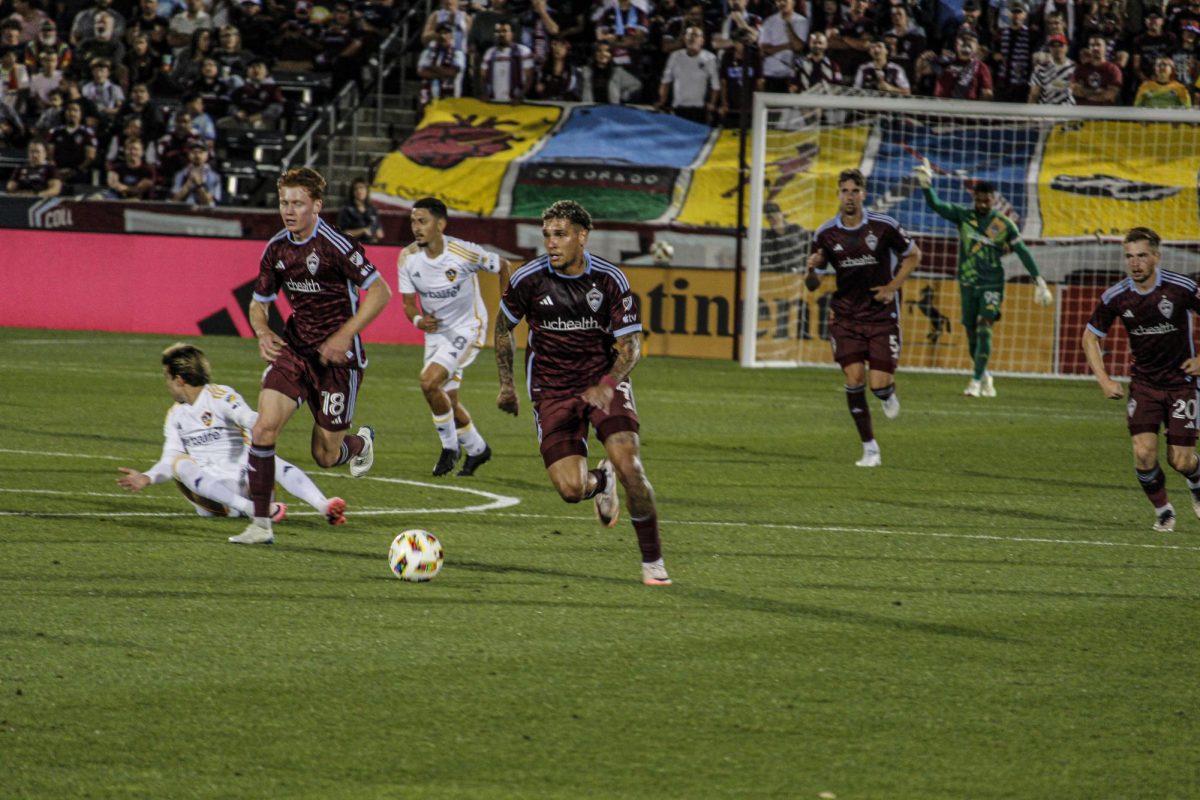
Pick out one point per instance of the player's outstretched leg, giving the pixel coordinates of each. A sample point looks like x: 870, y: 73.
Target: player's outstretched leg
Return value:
x: 624, y: 460
x: 297, y: 482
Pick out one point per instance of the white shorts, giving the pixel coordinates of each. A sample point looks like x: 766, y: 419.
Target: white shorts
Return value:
x: 454, y: 351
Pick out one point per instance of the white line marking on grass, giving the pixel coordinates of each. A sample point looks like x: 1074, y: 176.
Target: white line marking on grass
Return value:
x: 58, y: 455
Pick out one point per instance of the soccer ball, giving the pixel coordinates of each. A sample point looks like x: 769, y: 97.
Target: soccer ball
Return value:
x: 662, y: 252
x: 416, y: 556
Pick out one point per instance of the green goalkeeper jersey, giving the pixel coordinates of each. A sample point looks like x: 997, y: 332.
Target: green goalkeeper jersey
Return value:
x: 981, y: 242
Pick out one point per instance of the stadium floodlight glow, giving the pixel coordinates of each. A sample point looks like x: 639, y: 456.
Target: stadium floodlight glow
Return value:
x: 1074, y: 179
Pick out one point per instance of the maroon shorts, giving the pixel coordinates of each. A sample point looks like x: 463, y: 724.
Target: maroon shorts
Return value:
x: 1174, y: 408
x: 875, y: 342
x: 331, y: 392
x: 562, y: 422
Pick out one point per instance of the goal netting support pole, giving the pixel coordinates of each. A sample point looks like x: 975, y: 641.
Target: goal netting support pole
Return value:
x: 1073, y: 179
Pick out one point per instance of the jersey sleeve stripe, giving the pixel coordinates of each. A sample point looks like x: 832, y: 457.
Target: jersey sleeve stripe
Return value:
x: 370, y: 279
x: 509, y: 314
x: 1099, y: 333
x: 1179, y: 280
x: 619, y: 332
x: 875, y: 215
x: 532, y: 267
x: 338, y: 241
x: 469, y: 254
x: 259, y: 298
x: 1115, y: 290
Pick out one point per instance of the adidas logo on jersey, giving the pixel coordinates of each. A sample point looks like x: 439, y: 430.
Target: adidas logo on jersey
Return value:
x: 1128, y: 313
x: 546, y: 301
x: 837, y: 248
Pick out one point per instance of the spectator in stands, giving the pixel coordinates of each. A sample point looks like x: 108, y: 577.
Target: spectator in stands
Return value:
x: 12, y: 129
x: 359, y: 218
x: 214, y: 89
x: 1184, y: 55
x: 966, y: 77
x: 103, y: 45
x: 848, y: 42
x: 691, y: 80
x: 482, y: 36
x: 738, y: 19
x: 507, y: 69
x: 441, y: 67
x: 826, y: 15
x: 1050, y: 83
x: 48, y: 39
x: 1013, y: 56
x: 558, y: 78
x: 147, y: 20
x: 44, y: 82
x: 342, y: 42
x: 183, y: 25
x: 132, y: 130
x: 51, y: 116
x: 14, y: 79
x: 741, y: 76
x: 910, y: 39
x: 73, y: 146
x: 203, y: 126
x: 131, y: 177
x: 257, y: 103
x: 673, y: 34
x: 780, y: 40
x: 1057, y: 17
x: 30, y: 17
x: 142, y: 64
x: 783, y: 242
x: 106, y: 95
x: 624, y: 28
x: 295, y: 50
x: 973, y: 21
x: 539, y: 26
x: 232, y: 58
x: 174, y: 147
x: 197, y: 183
x: 84, y: 27
x: 72, y: 93
x: 881, y: 75
x: 606, y: 82
x: 450, y: 14
x: 1149, y: 45
x: 1103, y: 18
x: 37, y: 176
x: 139, y: 105
x: 1163, y: 91
x: 190, y: 59
x: 256, y: 27
x: 1097, y: 80
x: 1056, y: 25
x: 816, y: 66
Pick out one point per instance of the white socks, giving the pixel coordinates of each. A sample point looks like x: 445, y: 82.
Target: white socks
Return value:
x: 469, y: 438
x: 444, y: 423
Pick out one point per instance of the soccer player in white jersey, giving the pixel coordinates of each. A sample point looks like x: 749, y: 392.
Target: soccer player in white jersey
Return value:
x: 205, y: 449
x: 442, y: 271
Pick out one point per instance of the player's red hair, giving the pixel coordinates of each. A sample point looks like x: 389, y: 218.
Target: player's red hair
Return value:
x: 305, y: 178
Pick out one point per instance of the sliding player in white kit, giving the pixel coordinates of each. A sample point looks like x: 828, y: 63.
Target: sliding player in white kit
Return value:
x: 205, y: 449
x: 442, y: 271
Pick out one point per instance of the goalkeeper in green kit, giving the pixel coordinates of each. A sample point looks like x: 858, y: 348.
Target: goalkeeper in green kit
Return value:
x: 983, y: 236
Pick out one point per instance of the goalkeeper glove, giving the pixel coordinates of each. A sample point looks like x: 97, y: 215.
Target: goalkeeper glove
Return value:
x: 1041, y: 293
x: 924, y: 173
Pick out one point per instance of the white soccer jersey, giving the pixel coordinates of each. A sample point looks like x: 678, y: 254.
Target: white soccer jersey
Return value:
x: 448, y: 285
x: 215, y: 431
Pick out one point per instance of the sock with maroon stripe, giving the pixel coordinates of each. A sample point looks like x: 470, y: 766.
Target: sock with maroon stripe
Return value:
x: 262, y: 479
x: 352, y: 445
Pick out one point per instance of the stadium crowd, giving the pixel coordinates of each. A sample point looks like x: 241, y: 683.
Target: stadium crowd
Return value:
x: 133, y: 98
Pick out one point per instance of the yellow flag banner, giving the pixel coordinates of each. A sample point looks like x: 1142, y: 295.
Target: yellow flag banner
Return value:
x: 462, y: 150
x: 1107, y: 177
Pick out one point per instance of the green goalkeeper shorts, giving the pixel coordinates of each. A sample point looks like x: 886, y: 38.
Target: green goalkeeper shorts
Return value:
x: 981, y: 302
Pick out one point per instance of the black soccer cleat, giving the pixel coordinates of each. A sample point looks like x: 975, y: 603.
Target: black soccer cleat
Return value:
x: 472, y: 463
x: 445, y: 462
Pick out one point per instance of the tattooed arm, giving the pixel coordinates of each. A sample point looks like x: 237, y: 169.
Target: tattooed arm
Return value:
x: 629, y: 351
x: 505, y: 352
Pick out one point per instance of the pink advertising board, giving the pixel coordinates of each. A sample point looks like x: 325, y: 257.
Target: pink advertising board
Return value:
x: 149, y: 284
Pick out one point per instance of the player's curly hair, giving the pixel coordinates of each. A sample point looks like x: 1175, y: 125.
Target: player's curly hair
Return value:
x: 570, y: 211
x: 305, y: 178
x: 1143, y: 234
x: 187, y: 361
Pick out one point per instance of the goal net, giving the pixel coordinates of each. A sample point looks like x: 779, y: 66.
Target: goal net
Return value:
x: 1073, y: 179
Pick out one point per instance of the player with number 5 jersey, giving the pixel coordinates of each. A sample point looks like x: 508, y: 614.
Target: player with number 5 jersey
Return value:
x: 871, y: 255
x: 443, y: 272
x: 584, y: 339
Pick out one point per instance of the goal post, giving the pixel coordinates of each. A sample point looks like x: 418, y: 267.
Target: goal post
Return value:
x: 1073, y: 179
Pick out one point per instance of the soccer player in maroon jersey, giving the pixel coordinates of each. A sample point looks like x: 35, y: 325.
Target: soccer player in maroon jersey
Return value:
x: 1153, y: 304
x: 320, y: 358
x: 584, y: 340
x: 864, y: 249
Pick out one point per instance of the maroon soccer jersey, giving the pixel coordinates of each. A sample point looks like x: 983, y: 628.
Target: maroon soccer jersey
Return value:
x: 1158, y: 324
x: 863, y: 258
x: 573, y: 322
x: 30, y: 178
x: 70, y: 146
x: 321, y: 278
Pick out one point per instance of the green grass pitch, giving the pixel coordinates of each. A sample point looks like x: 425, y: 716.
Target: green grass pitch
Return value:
x: 988, y: 615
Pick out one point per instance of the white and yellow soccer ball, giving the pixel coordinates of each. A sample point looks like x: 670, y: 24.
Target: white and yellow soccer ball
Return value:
x: 662, y: 252
x: 416, y: 556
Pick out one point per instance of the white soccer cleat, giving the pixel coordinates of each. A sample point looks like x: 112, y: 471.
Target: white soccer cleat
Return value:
x: 870, y: 458
x: 655, y: 574
x: 254, y: 534
x: 361, y: 464
x: 891, y: 406
x: 608, y: 505
x: 974, y: 389
x: 1165, y: 520
x: 987, y: 386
